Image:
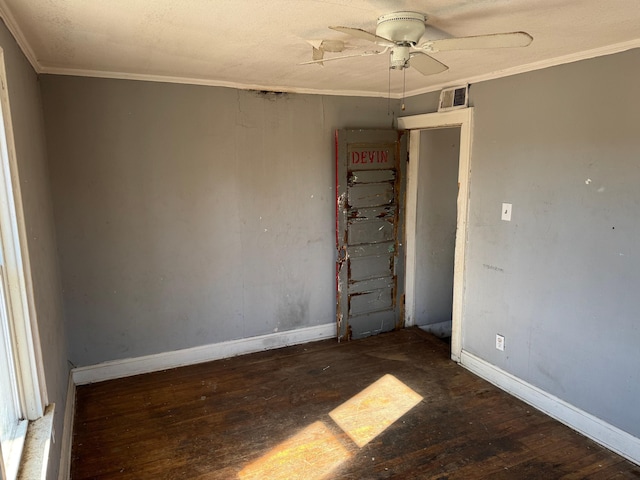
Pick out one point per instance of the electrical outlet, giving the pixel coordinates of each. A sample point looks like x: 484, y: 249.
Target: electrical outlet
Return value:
x: 506, y: 212
x: 500, y: 342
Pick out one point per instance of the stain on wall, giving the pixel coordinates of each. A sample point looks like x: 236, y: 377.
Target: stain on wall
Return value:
x: 191, y: 215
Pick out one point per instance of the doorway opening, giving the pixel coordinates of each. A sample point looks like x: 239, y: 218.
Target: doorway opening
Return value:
x: 436, y: 221
x: 461, y: 123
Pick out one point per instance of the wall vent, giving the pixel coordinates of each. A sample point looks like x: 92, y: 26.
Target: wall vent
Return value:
x: 454, y: 97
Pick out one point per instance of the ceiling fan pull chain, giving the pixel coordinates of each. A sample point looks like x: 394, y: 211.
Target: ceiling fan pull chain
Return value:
x: 389, y: 93
x: 404, y: 85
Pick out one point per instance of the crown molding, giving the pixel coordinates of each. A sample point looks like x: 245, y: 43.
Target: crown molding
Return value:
x: 530, y: 67
x: 206, y: 82
x: 16, y: 31
x: 507, y: 72
x: 21, y: 40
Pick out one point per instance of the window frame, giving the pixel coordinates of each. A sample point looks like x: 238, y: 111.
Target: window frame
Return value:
x: 22, y: 325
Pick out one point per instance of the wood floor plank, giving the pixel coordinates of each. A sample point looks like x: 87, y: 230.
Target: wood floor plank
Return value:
x: 228, y: 418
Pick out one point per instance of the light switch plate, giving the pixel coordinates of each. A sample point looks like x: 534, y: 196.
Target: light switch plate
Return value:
x: 506, y: 212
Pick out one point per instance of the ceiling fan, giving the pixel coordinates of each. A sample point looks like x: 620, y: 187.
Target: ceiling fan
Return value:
x: 400, y: 32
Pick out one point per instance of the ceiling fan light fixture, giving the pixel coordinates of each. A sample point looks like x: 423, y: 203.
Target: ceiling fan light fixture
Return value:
x: 399, y: 57
x: 401, y: 27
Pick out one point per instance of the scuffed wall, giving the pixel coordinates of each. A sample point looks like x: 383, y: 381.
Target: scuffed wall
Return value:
x: 192, y: 215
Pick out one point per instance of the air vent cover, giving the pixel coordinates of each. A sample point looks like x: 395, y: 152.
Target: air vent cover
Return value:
x: 454, y: 97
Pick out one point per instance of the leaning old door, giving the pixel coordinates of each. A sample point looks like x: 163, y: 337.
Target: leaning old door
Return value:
x: 370, y: 188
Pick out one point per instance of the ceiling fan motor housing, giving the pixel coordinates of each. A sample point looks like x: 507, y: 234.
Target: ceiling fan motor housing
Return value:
x: 402, y: 27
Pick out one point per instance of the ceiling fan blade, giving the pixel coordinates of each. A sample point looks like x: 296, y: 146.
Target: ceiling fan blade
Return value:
x: 363, y: 54
x: 364, y: 35
x: 496, y: 40
x: 318, y: 54
x: 315, y: 43
x: 334, y: 46
x: 425, y: 64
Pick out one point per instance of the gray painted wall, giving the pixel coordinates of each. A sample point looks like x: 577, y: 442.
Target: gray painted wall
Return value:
x: 28, y: 129
x: 561, y: 280
x: 191, y: 215
x: 436, y: 216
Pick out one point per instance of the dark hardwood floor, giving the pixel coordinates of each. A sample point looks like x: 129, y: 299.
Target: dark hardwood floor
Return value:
x: 266, y: 415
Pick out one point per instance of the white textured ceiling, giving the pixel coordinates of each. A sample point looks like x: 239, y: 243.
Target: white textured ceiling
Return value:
x: 259, y: 43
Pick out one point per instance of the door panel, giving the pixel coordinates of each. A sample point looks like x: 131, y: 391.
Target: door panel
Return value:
x: 371, y: 324
x: 370, y: 231
x: 366, y: 268
x: 371, y: 176
x: 371, y: 194
x: 379, y: 299
x: 370, y: 180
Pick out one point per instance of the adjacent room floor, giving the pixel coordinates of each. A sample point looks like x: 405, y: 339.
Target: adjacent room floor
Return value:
x: 391, y: 406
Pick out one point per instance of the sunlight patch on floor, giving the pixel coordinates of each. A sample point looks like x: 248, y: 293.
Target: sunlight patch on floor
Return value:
x: 370, y: 412
x: 315, y: 452
x: 312, y: 454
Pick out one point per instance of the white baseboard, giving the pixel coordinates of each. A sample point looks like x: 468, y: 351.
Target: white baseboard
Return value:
x: 205, y: 353
x: 596, y: 429
x: 64, y: 470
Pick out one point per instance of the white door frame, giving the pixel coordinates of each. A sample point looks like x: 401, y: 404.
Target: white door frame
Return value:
x: 456, y: 118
